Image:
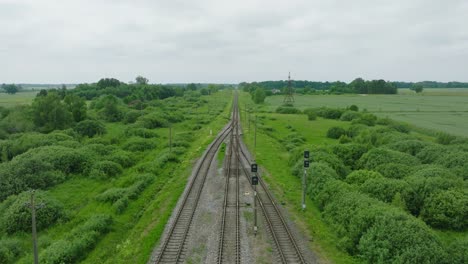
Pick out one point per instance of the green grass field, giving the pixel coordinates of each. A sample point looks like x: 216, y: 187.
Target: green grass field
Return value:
x: 435, y: 110
x: 7, y: 100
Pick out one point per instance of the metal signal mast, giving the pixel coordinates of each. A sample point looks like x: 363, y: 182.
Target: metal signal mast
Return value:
x: 289, y: 95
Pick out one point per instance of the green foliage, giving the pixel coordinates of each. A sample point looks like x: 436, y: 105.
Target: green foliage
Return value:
x: 384, y: 189
x: 447, y: 210
x: 417, y: 87
x: 365, y: 119
x: 329, y: 113
x: 293, y: 140
x: 105, y: 169
x: 311, y: 114
x: 287, y: 110
x: 17, y: 216
x: 395, y: 237
x: 76, y: 244
x: 259, y: 95
x: 335, y: 132
x: 50, y: 113
x: 394, y: 170
x: 319, y: 174
x: 444, y: 138
x: 77, y: 107
x: 354, y: 108
x: 379, y: 156
x: 153, y: 120
x: 453, y: 159
x: 431, y: 153
x: 355, y: 130
x: 90, y: 128
x: 18, y: 120
x: 109, y: 107
x: 358, y: 177
x: 349, y: 153
x: 457, y: 250
x: 132, y: 116
x: 108, y: 82
x: 10, y: 249
x: 412, y: 147
x: 11, y: 88
x: 136, y: 144
x: 124, y: 158
x: 350, y: 115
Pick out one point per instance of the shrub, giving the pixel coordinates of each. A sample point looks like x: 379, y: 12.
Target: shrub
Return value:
x: 457, y: 250
x: 396, y: 237
x: 358, y: 177
x: 412, y: 147
x: 17, y: 216
x: 365, y: 119
x: 446, y: 210
x: 124, y: 158
x: 153, y: 120
x: 379, y: 156
x: 384, y: 189
x: 287, y: 110
x: 353, y: 108
x: 140, y: 132
x: 319, y: 174
x: 350, y: 116
x: 121, y: 204
x: 355, y: 129
x: 444, y: 138
x: 453, y: 159
x: 311, y: 114
x: 431, y: 153
x: 112, y: 195
x: 400, y: 127
x: 90, y: 128
x: 139, y: 144
x: 81, y: 239
x: 132, y: 116
x: 105, y: 169
x: 394, y: 170
x: 349, y: 153
x: 329, y: 113
x: 10, y: 249
x: 423, y: 187
x: 335, y: 132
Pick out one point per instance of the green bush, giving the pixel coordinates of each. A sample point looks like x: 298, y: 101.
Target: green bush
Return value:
x: 354, y: 108
x: 319, y: 174
x: 453, y: 159
x: 379, y: 156
x: 412, y: 147
x: 112, y: 195
x: 153, y: 120
x: 105, y: 169
x: 335, y: 132
x: 396, y: 237
x: 457, y: 250
x: 350, y: 116
x: 349, y: 153
x: 355, y: 129
x: 384, y: 189
x: 132, y: 116
x: 287, y: 110
x: 139, y: 144
x: 444, y: 138
x: 365, y: 119
x: 10, y: 249
x: 394, y: 170
x: 78, y: 242
x: 431, y: 153
x: 90, y: 128
x: 17, y: 216
x: 121, y: 204
x: 358, y: 177
x: 329, y: 113
x: 124, y: 158
x: 140, y: 132
x: 447, y: 210
x: 311, y: 114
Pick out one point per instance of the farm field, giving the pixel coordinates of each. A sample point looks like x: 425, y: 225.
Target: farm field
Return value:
x: 21, y: 98
x: 431, y: 111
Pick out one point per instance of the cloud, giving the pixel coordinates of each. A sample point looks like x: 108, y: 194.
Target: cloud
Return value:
x: 231, y: 41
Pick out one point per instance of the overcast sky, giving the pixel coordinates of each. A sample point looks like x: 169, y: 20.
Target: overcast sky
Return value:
x: 68, y: 41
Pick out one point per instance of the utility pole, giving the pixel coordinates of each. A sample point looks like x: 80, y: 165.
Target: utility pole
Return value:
x: 304, y: 178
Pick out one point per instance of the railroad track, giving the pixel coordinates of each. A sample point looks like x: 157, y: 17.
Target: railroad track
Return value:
x: 172, y: 250
x: 229, y: 238
x: 286, y: 245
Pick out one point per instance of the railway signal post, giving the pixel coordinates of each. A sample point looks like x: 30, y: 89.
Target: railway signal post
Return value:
x: 304, y: 177
x: 254, y: 169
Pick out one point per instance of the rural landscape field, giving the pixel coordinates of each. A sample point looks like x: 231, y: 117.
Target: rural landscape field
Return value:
x: 236, y: 132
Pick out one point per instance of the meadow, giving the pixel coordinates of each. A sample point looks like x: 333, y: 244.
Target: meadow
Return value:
x: 443, y: 110
x: 21, y: 98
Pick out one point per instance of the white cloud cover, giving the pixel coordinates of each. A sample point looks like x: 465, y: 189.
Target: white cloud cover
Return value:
x: 53, y: 41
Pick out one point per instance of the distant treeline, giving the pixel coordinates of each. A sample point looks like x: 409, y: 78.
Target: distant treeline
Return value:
x: 359, y: 85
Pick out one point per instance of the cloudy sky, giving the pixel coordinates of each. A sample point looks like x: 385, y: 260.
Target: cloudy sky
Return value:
x: 68, y: 41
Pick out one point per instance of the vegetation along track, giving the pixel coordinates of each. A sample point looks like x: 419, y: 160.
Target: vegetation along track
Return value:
x: 229, y: 238
x: 172, y: 249
x: 284, y: 241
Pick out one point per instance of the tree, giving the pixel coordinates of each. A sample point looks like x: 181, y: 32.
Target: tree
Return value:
x: 141, y: 80
x: 259, y: 95
x: 447, y: 209
x: 90, y: 128
x: 111, y: 111
x: 108, y: 82
x: 10, y: 88
x: 77, y: 106
x: 359, y: 86
x: 192, y: 86
x: 49, y: 113
x: 417, y: 87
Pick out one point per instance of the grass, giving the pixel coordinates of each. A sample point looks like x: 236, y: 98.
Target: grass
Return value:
x: 436, y: 110
x: 21, y: 98
x: 273, y: 157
